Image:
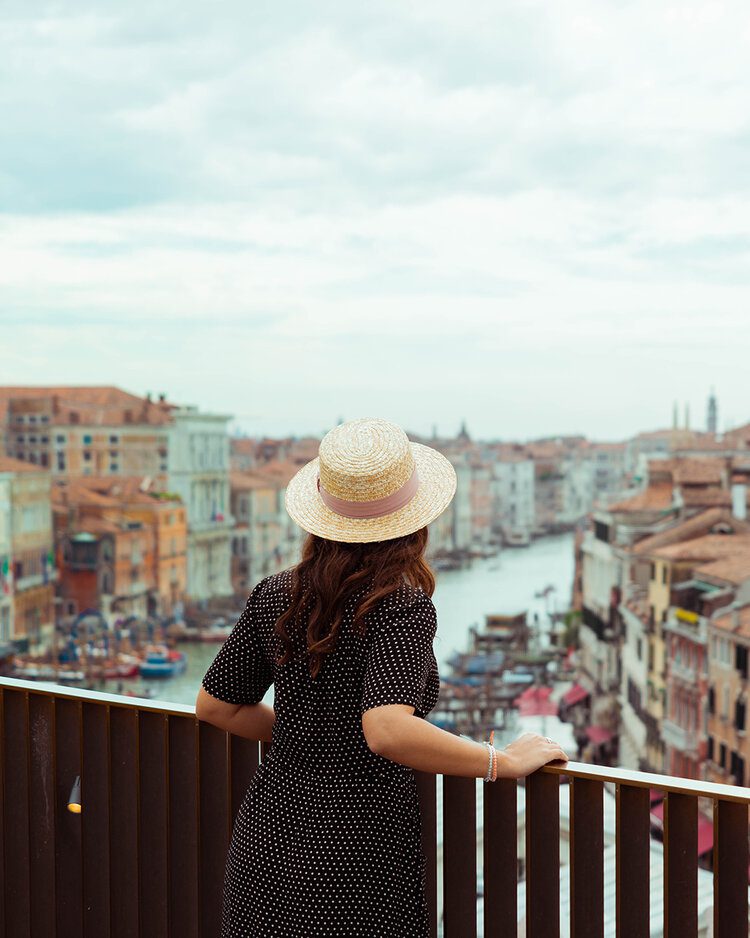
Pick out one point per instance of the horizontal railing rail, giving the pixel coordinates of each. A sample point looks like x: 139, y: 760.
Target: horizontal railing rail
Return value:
x: 160, y: 791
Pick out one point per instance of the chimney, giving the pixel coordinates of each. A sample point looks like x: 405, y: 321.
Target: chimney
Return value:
x: 739, y: 500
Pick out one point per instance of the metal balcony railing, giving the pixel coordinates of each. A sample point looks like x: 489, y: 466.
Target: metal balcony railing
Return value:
x: 160, y: 790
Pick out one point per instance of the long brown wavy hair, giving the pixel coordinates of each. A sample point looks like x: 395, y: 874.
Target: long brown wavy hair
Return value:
x: 330, y: 572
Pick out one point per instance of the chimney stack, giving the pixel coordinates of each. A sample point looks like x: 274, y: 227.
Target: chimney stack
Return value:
x: 739, y: 500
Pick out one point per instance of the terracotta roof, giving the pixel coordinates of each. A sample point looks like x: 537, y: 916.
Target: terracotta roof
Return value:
x: 106, y: 491
x: 739, y: 437
x: 8, y: 464
x: 699, y: 471
x: 97, y: 526
x: 281, y: 470
x: 733, y: 568
x: 655, y: 435
x: 689, y: 529
x: 94, y: 406
x: 707, y: 498
x: 247, y: 481
x: 728, y: 622
x: 246, y: 445
x: 656, y: 497
x: 704, y: 549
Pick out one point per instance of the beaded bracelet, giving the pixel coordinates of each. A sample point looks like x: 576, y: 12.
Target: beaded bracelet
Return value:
x: 493, y: 771
x: 490, y: 749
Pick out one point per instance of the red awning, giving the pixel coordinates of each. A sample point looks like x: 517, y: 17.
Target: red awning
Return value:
x: 658, y: 812
x: 656, y: 794
x: 598, y: 735
x: 535, y: 702
x: 533, y: 693
x: 574, y: 695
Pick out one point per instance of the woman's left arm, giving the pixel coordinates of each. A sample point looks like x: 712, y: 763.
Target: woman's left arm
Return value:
x: 251, y: 721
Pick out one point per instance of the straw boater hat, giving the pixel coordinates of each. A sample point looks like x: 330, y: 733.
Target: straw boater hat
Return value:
x: 370, y: 483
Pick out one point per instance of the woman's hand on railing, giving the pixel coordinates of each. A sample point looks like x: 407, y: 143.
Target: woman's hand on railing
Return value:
x: 530, y: 752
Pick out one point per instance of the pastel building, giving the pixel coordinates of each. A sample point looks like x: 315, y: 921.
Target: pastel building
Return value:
x: 27, y: 565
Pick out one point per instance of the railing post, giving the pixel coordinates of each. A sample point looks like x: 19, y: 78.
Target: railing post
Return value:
x: 542, y: 855
x: 586, y: 858
x: 680, y: 865
x: 459, y: 857
x: 730, y: 870
x: 500, y: 858
x: 632, y: 859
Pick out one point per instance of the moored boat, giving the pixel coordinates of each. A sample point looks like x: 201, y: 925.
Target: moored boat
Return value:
x: 161, y: 661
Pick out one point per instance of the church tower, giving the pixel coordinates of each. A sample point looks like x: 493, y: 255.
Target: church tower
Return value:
x: 712, y: 418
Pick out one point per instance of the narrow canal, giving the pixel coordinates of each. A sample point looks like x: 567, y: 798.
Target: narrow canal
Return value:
x: 506, y: 583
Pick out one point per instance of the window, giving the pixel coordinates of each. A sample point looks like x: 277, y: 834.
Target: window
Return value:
x: 639, y: 649
x: 710, y: 748
x: 44, y: 459
x: 87, y: 439
x: 711, y: 701
x: 59, y: 438
x: 664, y: 573
x: 739, y: 714
x: 723, y: 756
x: 44, y: 418
x: 740, y: 660
x: 32, y: 418
x: 61, y: 462
x: 87, y: 455
x: 114, y: 438
x: 113, y: 467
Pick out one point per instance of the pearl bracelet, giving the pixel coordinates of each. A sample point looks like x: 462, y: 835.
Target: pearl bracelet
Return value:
x: 492, y: 770
x: 491, y: 753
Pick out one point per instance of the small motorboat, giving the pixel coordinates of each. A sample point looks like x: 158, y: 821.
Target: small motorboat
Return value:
x: 161, y: 661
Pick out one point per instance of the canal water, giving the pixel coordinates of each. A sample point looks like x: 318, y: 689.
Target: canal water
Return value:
x: 505, y: 583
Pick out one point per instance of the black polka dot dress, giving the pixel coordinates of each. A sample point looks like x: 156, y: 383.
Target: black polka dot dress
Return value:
x: 326, y: 841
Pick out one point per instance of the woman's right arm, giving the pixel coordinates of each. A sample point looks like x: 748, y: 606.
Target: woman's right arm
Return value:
x: 392, y: 731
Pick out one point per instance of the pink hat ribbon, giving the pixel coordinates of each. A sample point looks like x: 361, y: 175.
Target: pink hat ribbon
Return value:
x: 376, y: 506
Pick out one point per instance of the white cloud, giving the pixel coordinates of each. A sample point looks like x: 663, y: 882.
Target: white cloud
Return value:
x: 528, y: 203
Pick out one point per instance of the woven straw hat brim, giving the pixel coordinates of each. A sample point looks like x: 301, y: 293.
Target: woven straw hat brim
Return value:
x: 437, y: 486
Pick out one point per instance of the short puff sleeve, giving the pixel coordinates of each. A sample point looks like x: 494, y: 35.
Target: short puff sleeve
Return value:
x: 400, y: 656
x: 241, y: 672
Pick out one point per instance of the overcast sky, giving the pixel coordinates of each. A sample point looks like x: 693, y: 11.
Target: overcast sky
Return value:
x: 531, y: 215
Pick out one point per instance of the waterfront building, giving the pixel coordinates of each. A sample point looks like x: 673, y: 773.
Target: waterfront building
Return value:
x: 728, y: 750
x: 644, y: 656
x: 608, y: 473
x: 121, y: 545
x: 27, y: 563
x: 563, y: 483
x: 198, y: 471
x: 104, y: 431
x: 512, y: 493
x: 82, y: 431
x: 259, y: 545
x: 623, y: 606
